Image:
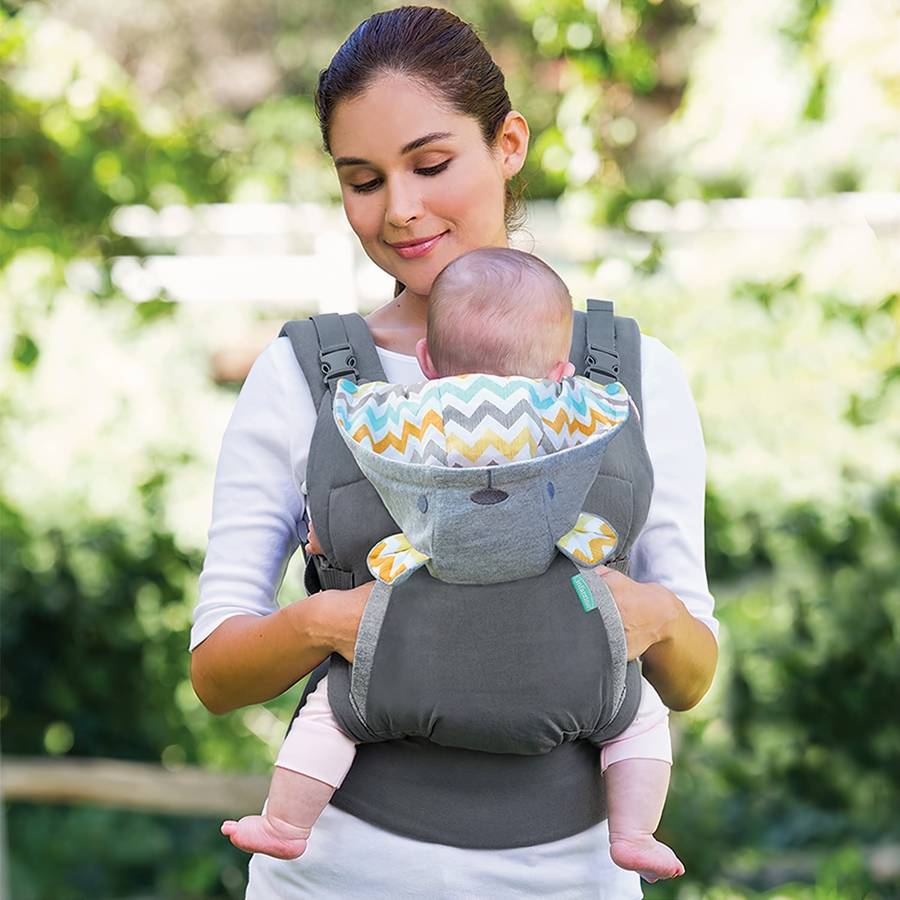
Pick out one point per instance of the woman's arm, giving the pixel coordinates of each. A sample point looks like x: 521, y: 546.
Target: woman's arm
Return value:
x: 679, y: 651
x: 666, y: 605
x: 681, y: 664
x: 244, y: 648
x: 250, y: 659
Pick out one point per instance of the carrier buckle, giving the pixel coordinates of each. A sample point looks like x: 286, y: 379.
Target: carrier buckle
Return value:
x: 338, y: 362
x: 601, y: 365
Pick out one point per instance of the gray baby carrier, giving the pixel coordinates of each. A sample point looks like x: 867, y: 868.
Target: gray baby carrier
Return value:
x: 472, y: 700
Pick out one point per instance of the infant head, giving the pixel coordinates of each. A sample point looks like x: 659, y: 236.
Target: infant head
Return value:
x: 498, y: 311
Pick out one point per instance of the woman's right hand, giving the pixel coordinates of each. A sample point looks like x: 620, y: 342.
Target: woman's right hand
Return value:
x: 341, y: 612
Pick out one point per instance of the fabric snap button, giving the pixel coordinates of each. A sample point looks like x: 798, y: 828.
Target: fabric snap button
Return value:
x: 423, y: 503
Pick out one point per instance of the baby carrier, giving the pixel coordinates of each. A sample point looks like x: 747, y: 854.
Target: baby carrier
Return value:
x: 471, y: 698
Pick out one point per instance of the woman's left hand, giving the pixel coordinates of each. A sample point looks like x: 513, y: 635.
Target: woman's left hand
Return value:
x: 647, y: 610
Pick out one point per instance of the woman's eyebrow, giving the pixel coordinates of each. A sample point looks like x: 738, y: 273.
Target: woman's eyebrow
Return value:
x: 407, y: 148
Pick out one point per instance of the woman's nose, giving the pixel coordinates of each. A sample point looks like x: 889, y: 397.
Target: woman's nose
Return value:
x: 404, y: 205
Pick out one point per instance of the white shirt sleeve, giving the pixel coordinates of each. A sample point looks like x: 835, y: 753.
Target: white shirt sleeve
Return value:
x: 670, y: 548
x: 257, y: 506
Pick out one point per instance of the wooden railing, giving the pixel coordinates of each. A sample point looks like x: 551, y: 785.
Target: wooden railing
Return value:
x: 187, y: 791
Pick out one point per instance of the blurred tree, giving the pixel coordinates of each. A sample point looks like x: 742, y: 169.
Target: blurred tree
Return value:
x: 76, y: 143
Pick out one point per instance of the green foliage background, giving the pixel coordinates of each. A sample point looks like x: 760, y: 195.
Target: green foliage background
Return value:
x: 788, y: 774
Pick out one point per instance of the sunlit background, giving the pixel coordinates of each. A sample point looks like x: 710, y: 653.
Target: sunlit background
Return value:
x: 728, y: 172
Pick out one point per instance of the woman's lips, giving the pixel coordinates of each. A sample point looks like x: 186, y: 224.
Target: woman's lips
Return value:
x: 417, y: 250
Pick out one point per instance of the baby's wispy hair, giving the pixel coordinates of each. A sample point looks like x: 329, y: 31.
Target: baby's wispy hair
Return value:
x: 500, y: 311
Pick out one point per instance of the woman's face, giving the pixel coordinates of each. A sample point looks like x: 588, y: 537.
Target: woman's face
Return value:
x: 411, y: 170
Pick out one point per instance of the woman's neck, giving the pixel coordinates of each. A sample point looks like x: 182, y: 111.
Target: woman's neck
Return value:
x: 400, y: 323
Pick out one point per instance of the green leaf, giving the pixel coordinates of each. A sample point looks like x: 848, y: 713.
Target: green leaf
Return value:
x: 25, y: 352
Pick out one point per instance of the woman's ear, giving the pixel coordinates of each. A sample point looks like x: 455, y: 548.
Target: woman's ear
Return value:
x: 424, y: 358
x: 513, y: 143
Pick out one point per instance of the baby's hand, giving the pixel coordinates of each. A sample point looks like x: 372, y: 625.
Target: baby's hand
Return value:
x: 312, y: 543
x: 269, y: 835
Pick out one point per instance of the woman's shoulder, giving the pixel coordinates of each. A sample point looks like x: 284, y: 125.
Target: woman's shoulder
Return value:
x: 275, y: 394
x: 658, y: 360
x: 277, y: 366
x: 664, y: 382
x: 654, y: 351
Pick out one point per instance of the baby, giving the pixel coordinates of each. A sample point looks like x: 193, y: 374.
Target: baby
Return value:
x: 499, y: 312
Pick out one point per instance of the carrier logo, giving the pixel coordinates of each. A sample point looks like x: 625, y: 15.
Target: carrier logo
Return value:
x: 585, y: 595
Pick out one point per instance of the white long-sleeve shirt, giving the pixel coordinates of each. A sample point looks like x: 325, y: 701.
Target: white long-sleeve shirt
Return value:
x: 258, y: 500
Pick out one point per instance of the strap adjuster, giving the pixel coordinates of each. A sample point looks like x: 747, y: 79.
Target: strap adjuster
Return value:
x: 601, y: 365
x: 338, y: 362
x: 331, y: 577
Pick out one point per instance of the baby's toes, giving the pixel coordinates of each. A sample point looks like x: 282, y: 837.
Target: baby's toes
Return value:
x: 253, y: 834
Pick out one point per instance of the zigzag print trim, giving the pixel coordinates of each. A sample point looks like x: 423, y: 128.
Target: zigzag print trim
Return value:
x: 477, y: 420
x: 394, y: 559
x: 591, y: 541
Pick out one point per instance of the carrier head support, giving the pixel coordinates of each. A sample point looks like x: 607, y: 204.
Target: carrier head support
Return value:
x: 486, y: 475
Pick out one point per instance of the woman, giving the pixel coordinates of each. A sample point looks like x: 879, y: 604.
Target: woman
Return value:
x: 416, y: 117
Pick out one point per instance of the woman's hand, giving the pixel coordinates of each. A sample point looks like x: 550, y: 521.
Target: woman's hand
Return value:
x: 339, y: 613
x: 646, y: 610
x: 679, y: 652
x: 251, y: 659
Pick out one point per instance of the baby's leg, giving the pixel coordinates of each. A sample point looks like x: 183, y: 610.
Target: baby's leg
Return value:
x: 294, y: 803
x: 636, y: 766
x: 313, y: 761
x: 635, y: 796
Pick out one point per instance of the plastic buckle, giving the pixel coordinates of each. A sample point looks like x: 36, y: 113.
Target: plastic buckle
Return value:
x: 601, y: 363
x: 338, y: 362
x: 330, y: 577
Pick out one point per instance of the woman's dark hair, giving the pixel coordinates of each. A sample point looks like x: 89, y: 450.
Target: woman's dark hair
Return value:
x: 441, y: 52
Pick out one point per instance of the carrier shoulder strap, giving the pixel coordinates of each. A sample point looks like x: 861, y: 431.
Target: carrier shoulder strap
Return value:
x: 328, y: 347
x: 607, y: 347
x: 331, y: 346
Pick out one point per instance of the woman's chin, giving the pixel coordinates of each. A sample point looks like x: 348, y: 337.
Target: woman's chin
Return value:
x: 418, y: 287
x: 419, y: 275
x: 418, y: 283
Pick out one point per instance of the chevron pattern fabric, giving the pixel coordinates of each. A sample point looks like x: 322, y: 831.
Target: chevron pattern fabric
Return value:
x: 590, y: 541
x: 394, y: 559
x: 477, y: 420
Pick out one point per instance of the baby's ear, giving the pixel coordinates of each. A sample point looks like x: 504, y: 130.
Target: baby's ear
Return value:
x: 590, y: 542
x: 394, y: 559
x: 423, y: 355
x: 561, y: 370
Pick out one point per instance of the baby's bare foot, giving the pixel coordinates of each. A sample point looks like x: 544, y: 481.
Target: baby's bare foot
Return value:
x: 261, y: 834
x: 643, y: 854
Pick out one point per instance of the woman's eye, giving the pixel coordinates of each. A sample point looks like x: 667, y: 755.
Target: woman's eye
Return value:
x: 365, y: 188
x: 434, y: 170
x: 428, y: 171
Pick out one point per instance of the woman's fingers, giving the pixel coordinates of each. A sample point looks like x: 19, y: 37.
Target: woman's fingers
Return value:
x: 641, y: 615
x: 348, y: 611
